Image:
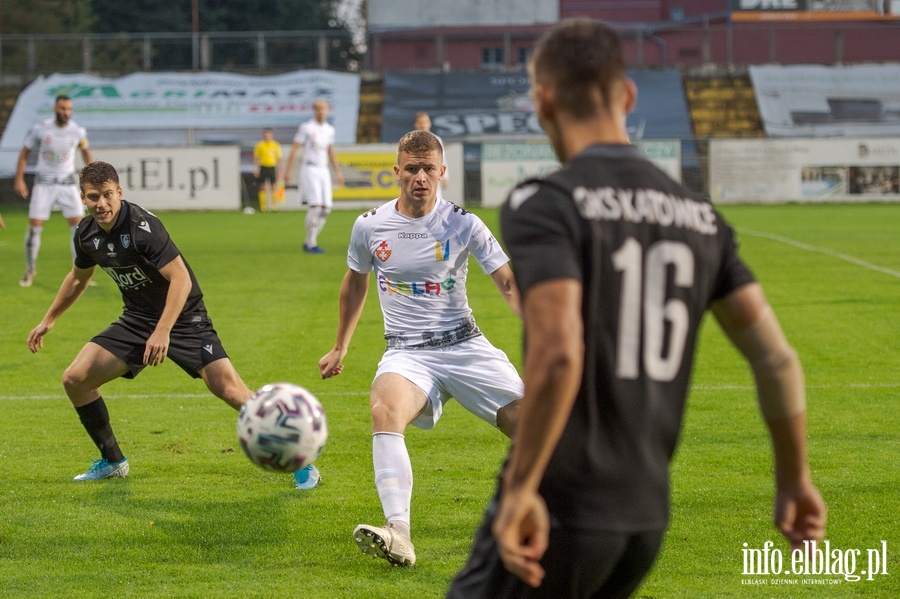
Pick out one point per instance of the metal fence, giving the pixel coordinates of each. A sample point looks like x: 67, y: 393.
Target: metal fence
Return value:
x: 24, y: 57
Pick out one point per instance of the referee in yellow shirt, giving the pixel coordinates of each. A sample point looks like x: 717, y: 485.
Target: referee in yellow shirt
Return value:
x: 267, y: 170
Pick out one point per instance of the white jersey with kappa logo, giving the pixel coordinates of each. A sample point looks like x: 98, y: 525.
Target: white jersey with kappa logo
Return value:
x: 421, y: 264
x: 315, y: 139
x: 57, y: 145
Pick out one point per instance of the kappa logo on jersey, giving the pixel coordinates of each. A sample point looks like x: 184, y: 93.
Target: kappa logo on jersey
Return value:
x: 128, y: 277
x: 126, y: 240
x: 441, y: 251
x: 383, y: 251
x: 208, y: 348
x: 144, y: 225
x: 96, y: 241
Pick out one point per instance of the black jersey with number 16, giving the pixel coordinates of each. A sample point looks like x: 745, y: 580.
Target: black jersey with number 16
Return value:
x: 650, y: 257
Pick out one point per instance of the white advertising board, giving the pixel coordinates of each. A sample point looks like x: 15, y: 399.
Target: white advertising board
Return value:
x: 197, y: 178
x: 183, y: 109
x: 804, y: 170
x: 503, y: 166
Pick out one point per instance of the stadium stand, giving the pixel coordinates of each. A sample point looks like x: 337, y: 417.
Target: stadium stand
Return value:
x: 722, y: 103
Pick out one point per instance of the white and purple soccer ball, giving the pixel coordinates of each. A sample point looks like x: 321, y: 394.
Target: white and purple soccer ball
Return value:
x: 282, y: 428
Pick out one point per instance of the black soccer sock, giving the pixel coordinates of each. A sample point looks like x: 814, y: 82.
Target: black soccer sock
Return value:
x: 95, y: 418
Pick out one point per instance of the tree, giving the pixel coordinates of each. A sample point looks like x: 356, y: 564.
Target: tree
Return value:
x: 145, y: 16
x: 43, y: 17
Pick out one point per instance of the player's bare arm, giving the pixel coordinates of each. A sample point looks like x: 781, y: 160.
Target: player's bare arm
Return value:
x: 19, y: 184
x: 290, y: 162
x: 748, y: 320
x: 73, y: 285
x: 553, y: 367
x: 338, y: 174
x: 179, y: 288
x: 505, y: 281
x: 354, y: 289
x: 86, y: 155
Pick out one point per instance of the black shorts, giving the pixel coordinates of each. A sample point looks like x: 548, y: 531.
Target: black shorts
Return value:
x: 266, y: 173
x: 193, y: 343
x: 578, y: 563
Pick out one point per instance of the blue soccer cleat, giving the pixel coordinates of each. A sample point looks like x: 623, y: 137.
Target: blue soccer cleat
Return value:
x: 101, y: 469
x: 307, y: 478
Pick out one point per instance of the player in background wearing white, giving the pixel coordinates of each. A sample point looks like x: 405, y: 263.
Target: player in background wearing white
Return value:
x: 316, y: 136
x: 55, y: 183
x: 422, y: 122
x: 418, y: 246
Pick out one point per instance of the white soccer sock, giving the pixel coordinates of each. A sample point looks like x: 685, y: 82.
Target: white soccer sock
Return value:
x: 320, y: 221
x: 32, y: 246
x: 72, y: 229
x: 393, y: 476
x: 312, y: 217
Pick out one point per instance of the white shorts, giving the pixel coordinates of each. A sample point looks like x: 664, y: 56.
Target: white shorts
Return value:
x: 315, y: 185
x: 473, y: 372
x: 44, y: 197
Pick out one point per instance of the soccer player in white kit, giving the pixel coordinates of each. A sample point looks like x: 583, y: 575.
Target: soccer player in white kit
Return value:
x: 418, y: 246
x: 316, y: 136
x: 55, y: 182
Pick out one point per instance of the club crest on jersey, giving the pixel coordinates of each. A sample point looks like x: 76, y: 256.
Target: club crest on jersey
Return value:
x: 383, y: 251
x: 126, y: 240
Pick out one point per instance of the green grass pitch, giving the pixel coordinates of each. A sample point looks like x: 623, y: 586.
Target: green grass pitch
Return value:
x: 196, y: 519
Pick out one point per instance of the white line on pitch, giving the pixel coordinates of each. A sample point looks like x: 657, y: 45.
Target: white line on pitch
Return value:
x: 62, y: 396
x: 365, y: 393
x: 813, y: 248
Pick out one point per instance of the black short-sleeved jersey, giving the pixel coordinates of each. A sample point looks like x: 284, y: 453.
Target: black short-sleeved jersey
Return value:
x: 132, y: 253
x: 651, y: 257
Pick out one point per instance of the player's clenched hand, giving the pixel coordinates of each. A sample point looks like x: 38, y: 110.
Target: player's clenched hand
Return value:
x: 330, y: 364
x: 36, y: 337
x: 522, y: 529
x: 21, y: 189
x: 156, y: 349
x: 800, y: 515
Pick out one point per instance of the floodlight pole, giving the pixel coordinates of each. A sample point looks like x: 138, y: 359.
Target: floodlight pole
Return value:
x: 195, y: 29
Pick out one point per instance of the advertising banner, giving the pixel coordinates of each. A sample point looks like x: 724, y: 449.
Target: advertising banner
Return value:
x: 815, y: 10
x: 199, y: 178
x: 503, y: 166
x: 170, y: 109
x: 804, y: 170
x: 369, y: 173
x: 820, y: 101
x: 481, y: 105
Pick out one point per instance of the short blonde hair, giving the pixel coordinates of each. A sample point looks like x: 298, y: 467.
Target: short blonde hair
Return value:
x: 418, y: 143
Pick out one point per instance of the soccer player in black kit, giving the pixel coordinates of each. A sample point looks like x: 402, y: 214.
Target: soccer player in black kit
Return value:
x: 164, y: 315
x: 616, y: 264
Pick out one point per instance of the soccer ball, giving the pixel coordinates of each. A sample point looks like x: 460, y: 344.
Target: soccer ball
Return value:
x: 282, y: 428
